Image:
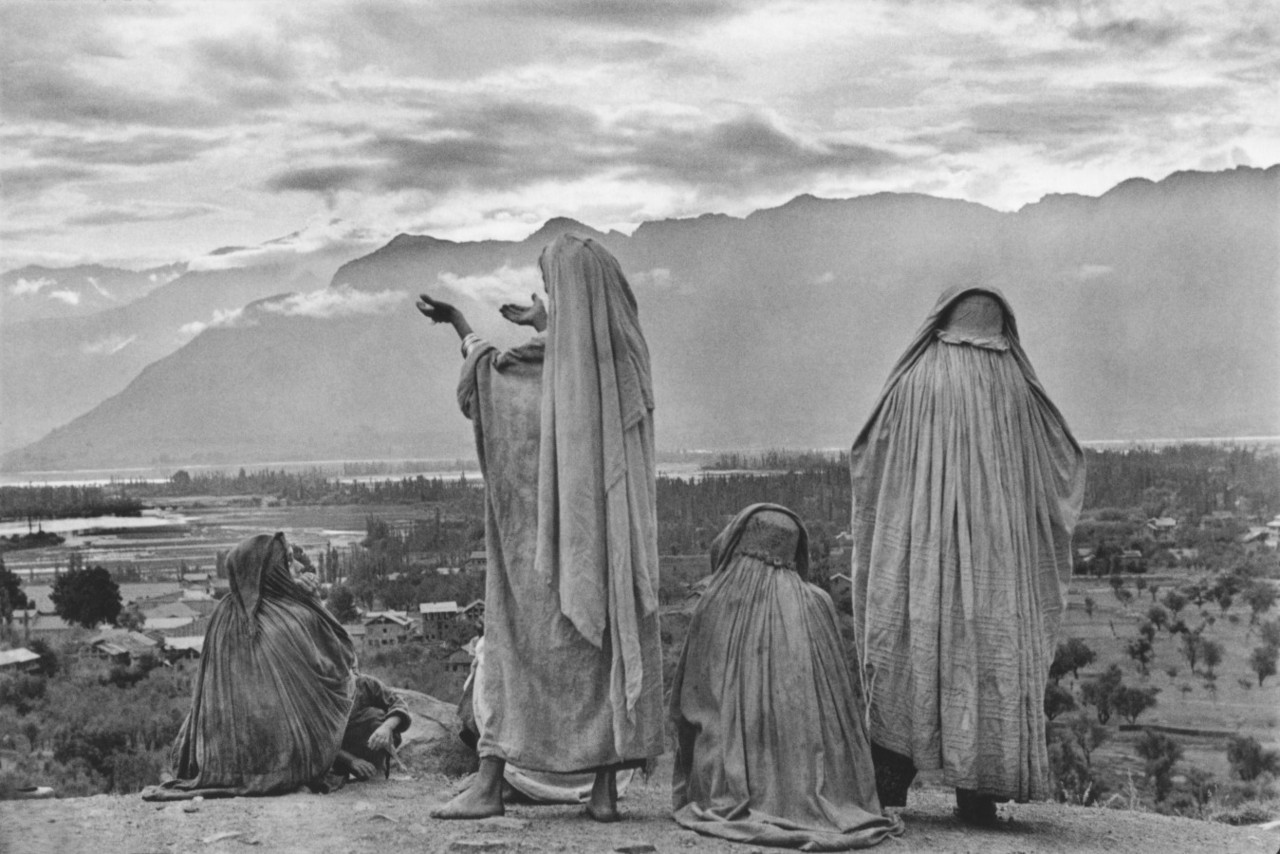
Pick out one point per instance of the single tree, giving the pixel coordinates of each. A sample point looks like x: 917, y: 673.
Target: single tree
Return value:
x: 1089, y: 605
x: 1212, y: 652
x: 1270, y: 632
x: 1098, y: 692
x: 86, y: 597
x: 1161, y: 753
x: 1191, y: 646
x: 1158, y: 616
x: 1057, y: 700
x: 1261, y: 596
x: 342, y: 604
x: 1249, y: 760
x: 12, y: 598
x: 1129, y: 703
x: 1174, y: 601
x: 1263, y: 662
x: 1141, y: 651
x: 1071, y: 655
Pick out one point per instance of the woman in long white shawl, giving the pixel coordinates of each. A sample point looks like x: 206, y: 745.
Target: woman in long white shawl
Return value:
x: 967, y: 485
x: 564, y: 431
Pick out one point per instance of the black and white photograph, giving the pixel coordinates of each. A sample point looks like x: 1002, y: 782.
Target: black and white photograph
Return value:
x: 639, y: 426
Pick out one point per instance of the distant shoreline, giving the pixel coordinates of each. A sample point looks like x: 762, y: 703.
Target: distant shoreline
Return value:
x: 396, y: 468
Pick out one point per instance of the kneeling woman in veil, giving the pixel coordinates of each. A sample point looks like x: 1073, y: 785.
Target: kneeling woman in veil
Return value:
x: 770, y: 744
x: 276, y: 681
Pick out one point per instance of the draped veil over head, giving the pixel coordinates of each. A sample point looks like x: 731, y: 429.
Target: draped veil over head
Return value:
x: 564, y: 432
x: 275, y: 685
x: 967, y: 485
x: 597, y: 526
x: 770, y: 744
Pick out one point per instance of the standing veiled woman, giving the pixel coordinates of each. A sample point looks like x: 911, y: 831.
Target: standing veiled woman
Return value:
x: 276, y: 681
x: 770, y: 744
x: 564, y: 433
x: 966, y: 489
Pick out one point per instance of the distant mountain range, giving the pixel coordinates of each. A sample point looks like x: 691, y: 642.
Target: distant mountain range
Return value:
x: 1152, y: 311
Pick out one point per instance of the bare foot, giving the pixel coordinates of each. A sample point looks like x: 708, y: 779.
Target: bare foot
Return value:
x: 473, y: 803
x: 603, y: 804
x: 482, y: 799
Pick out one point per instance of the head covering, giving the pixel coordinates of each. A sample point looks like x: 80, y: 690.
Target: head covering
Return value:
x: 977, y: 314
x: 251, y: 565
x: 937, y: 321
x: 597, y: 541
x: 768, y: 532
x: 966, y: 486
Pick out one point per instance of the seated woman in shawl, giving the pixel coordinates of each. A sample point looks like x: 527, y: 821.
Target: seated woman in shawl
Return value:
x: 271, y: 699
x: 770, y: 744
x: 966, y: 489
x: 564, y: 433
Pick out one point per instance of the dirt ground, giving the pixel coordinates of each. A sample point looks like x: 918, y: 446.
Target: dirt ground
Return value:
x: 393, y: 816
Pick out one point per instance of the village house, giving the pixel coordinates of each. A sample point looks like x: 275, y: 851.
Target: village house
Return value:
x: 356, y: 632
x: 475, y: 612
x: 184, y: 648
x: 477, y: 561
x: 459, y: 662
x: 1259, y: 537
x: 121, y: 646
x: 49, y: 628
x: 386, y: 628
x: 437, y: 618
x: 1131, y: 560
x: 20, y: 660
x: 1161, y: 528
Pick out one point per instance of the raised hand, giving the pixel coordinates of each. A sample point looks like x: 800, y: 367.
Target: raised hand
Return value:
x: 534, y: 315
x: 437, y: 310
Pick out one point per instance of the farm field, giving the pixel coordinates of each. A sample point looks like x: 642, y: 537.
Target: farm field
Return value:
x: 1237, y: 706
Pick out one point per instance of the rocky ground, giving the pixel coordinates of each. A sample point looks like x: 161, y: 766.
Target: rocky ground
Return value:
x: 393, y: 816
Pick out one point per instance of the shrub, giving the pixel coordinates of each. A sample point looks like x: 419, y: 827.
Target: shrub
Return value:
x: 22, y: 691
x: 1249, y: 760
x: 1160, y: 753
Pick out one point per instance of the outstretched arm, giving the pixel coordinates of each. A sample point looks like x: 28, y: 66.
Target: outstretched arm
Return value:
x: 439, y: 311
x: 534, y: 314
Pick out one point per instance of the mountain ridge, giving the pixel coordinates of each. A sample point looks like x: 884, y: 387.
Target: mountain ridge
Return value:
x: 1148, y: 311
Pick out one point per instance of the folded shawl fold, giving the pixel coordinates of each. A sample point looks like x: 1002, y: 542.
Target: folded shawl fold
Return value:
x: 597, y: 526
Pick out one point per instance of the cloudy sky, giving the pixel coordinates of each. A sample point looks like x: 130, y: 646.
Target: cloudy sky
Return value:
x: 144, y: 131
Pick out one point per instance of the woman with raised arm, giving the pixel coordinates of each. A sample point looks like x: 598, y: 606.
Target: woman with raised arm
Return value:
x: 564, y: 433
x: 966, y: 489
x: 275, y: 686
x: 771, y: 748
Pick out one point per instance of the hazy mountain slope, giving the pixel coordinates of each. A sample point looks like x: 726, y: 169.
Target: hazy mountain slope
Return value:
x: 1151, y: 311
x: 35, y: 292
x: 55, y: 368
